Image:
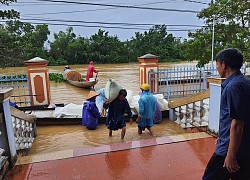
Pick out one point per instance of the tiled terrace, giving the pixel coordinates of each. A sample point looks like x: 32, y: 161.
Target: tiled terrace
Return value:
x: 173, y: 157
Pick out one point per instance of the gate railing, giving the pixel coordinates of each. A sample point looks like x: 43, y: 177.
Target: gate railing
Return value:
x: 178, y: 82
x: 20, y: 84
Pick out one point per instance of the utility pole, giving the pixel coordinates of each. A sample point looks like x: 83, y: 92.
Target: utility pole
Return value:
x: 212, y: 56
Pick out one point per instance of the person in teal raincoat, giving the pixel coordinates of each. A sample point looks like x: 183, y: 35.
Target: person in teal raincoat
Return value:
x: 147, y: 108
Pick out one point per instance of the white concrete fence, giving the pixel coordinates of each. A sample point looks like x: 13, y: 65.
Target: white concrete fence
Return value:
x: 24, y: 129
x: 199, y: 110
x: 17, y: 130
x: 193, y: 114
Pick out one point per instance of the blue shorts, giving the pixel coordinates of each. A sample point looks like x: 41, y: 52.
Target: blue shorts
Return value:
x: 145, y: 123
x: 143, y: 128
x: 116, y: 124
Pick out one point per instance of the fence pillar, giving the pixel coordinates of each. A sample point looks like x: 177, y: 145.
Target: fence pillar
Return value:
x: 214, y: 104
x: 148, y: 63
x: 39, y: 81
x: 7, y: 139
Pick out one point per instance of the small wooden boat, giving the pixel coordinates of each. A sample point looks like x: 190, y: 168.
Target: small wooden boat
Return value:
x: 83, y: 83
x: 75, y: 78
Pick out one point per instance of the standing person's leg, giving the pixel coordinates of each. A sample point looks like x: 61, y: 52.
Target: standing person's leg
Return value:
x: 110, y: 133
x: 150, y: 130
x: 139, y: 130
x: 149, y: 125
x: 215, y: 169
x: 141, y: 126
x: 123, y: 132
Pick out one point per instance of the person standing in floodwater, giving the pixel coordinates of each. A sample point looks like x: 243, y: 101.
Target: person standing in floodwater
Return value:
x: 90, y: 112
x: 231, y: 159
x: 90, y: 71
x: 117, y: 109
x: 147, y: 108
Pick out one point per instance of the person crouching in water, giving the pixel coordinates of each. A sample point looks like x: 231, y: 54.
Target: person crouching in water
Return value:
x: 90, y: 112
x: 147, y: 108
x: 115, y: 117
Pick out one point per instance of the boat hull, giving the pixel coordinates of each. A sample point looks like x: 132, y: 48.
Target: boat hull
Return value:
x: 82, y: 84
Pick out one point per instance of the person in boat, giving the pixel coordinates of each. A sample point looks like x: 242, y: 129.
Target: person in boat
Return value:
x: 116, y: 110
x: 90, y: 71
x: 147, y: 108
x: 231, y: 159
x: 66, y: 69
x: 90, y: 112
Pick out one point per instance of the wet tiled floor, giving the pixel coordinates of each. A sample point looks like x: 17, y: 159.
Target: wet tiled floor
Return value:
x: 172, y: 158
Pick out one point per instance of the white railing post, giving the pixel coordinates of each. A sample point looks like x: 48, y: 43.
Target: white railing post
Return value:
x: 177, y: 113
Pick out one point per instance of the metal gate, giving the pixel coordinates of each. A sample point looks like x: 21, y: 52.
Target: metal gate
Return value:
x: 20, y: 84
x: 183, y: 81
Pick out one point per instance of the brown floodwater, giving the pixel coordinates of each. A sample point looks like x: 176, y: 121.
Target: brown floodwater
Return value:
x: 127, y: 75
x: 56, y: 138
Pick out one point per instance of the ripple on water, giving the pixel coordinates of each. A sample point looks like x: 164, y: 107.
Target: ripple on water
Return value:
x: 58, y: 138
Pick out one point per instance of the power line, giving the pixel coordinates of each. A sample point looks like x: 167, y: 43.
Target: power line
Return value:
x: 95, y: 26
x: 122, y: 6
x: 198, y: 2
x: 34, y: 3
x: 70, y: 12
x: 100, y: 22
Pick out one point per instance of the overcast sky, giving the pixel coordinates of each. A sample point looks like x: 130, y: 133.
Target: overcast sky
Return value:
x: 67, y: 13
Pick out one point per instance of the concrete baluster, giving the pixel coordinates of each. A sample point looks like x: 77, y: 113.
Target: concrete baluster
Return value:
x: 177, y: 113
x: 184, y: 116
x: 205, y: 112
x: 190, y: 115
x: 197, y: 117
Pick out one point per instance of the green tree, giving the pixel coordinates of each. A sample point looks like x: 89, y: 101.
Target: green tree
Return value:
x: 78, y: 51
x: 106, y: 49
x: 21, y: 41
x: 156, y: 41
x: 59, y: 51
x: 8, y: 14
x: 231, y: 20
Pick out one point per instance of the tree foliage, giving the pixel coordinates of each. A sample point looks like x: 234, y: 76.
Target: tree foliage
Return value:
x: 103, y: 48
x: 8, y: 14
x: 156, y: 41
x: 21, y: 41
x: 231, y: 29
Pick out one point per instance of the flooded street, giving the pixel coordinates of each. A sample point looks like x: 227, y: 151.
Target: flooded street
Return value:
x: 59, y: 138
x: 56, y: 138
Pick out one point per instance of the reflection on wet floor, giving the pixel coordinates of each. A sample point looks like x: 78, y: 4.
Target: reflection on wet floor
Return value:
x: 59, y: 138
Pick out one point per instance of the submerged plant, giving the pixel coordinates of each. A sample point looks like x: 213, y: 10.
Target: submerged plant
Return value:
x: 57, y: 77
